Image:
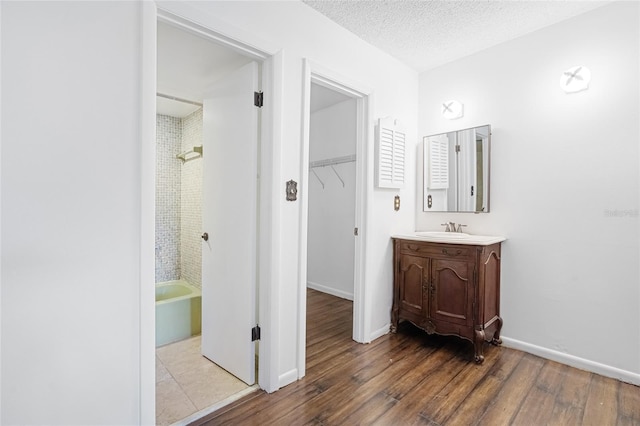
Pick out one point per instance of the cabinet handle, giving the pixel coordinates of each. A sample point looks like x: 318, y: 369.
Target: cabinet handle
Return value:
x: 445, y: 251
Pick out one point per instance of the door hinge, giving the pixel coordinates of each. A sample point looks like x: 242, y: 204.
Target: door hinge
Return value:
x: 255, y: 333
x: 457, y: 148
x: 258, y: 99
x: 355, y: 231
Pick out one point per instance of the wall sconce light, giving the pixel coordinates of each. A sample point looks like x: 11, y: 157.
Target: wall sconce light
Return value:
x: 575, y: 79
x: 452, y: 110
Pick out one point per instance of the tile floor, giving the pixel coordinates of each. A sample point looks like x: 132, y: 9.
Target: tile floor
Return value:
x: 187, y: 382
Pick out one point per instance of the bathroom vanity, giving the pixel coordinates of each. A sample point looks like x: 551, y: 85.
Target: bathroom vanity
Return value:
x: 448, y: 283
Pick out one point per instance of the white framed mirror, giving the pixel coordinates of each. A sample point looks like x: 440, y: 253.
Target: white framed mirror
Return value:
x: 456, y: 171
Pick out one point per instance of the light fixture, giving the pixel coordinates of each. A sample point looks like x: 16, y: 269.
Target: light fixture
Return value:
x: 575, y: 79
x: 452, y: 110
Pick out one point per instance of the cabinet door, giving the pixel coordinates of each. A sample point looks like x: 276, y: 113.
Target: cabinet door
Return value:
x: 413, y: 287
x: 452, y: 291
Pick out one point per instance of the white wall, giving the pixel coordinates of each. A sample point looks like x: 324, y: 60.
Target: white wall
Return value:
x: 564, y: 183
x: 304, y: 33
x: 72, y: 284
x: 332, y: 133
x: 71, y: 228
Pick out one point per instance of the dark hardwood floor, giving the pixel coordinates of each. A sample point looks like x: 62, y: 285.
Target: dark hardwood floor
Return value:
x: 412, y: 378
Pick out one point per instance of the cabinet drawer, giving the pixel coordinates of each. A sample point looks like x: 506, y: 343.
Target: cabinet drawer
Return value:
x: 435, y: 250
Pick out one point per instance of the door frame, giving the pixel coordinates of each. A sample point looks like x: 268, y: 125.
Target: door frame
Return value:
x: 191, y: 19
x: 315, y: 73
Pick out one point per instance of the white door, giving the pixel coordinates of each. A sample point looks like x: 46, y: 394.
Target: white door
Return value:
x: 229, y: 217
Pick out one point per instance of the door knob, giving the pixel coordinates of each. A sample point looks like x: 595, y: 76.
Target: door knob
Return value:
x: 205, y: 236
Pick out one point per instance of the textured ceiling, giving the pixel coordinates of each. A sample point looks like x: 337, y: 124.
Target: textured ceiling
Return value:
x: 428, y: 33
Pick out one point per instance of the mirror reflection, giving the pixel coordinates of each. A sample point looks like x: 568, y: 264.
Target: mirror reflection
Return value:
x: 456, y: 171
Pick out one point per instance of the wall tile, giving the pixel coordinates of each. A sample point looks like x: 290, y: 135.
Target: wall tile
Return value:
x: 191, y: 203
x: 178, y: 200
x: 168, y: 138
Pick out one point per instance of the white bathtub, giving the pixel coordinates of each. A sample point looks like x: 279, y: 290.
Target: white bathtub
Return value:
x: 178, y: 311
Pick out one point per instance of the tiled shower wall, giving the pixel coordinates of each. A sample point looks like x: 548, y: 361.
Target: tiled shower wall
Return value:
x: 191, y: 203
x: 178, y: 200
x: 168, y: 137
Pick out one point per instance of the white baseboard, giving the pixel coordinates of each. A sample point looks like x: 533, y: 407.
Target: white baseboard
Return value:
x: 330, y: 290
x: 287, y: 378
x: 573, y: 361
x: 379, y: 333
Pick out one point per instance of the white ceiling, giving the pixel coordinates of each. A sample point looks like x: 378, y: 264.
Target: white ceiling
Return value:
x: 187, y: 66
x: 427, y: 33
x: 321, y: 97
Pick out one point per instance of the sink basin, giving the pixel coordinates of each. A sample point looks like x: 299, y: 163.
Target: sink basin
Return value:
x: 452, y: 238
x: 442, y: 234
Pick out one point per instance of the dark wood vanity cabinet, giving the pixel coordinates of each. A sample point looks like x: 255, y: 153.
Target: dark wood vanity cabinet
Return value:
x: 449, y: 289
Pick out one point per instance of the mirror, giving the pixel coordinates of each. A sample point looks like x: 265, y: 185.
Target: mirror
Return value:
x: 456, y: 171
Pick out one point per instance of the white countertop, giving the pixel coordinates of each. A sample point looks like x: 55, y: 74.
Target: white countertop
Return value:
x: 452, y: 238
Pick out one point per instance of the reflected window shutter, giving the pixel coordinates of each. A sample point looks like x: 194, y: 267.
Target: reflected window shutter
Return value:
x: 391, y: 151
x: 438, y: 163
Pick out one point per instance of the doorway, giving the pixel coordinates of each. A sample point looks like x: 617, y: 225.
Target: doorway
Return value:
x: 347, y: 103
x: 189, y: 68
x: 331, y: 218
x: 331, y: 192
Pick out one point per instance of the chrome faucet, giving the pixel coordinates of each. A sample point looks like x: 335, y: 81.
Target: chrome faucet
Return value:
x: 452, y: 227
x: 449, y: 227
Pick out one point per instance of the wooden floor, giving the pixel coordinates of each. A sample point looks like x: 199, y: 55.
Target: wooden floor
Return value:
x: 412, y: 378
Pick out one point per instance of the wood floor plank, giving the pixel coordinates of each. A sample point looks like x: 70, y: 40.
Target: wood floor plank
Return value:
x: 396, y: 373
x: 628, y: 403
x: 513, y: 392
x: 355, y: 354
x: 410, y: 378
x: 570, y: 400
x: 601, y: 407
x: 445, y: 403
x: 408, y: 409
x: 537, y: 408
x: 368, y: 412
x: 375, y: 371
x: 473, y: 408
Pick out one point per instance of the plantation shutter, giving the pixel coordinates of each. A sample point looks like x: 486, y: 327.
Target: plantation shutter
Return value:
x: 391, y: 140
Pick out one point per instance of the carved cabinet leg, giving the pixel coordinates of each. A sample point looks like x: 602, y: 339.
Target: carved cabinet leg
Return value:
x: 394, y: 321
x: 496, y: 336
x: 478, y: 346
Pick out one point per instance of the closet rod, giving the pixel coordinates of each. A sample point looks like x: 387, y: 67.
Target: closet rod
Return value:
x: 174, y: 98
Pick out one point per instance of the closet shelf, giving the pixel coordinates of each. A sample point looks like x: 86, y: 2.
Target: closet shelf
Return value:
x: 330, y: 162
x: 192, y: 154
x: 333, y: 161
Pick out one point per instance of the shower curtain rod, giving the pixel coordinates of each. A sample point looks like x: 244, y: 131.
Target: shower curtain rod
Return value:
x: 173, y: 98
